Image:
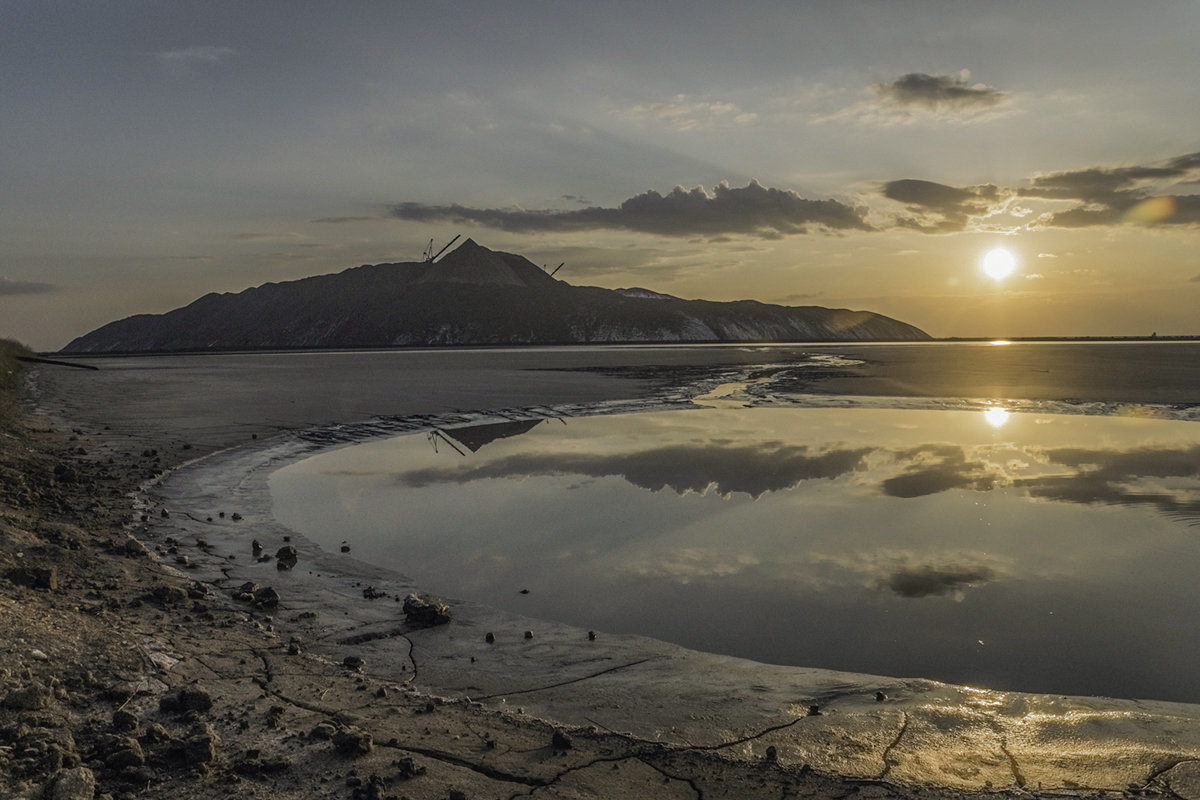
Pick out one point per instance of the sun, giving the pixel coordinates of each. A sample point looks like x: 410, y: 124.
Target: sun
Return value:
x: 998, y: 264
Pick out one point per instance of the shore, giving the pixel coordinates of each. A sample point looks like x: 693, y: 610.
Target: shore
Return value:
x: 129, y: 662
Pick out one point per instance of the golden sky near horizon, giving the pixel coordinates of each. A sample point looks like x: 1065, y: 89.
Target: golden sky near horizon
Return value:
x: 846, y: 154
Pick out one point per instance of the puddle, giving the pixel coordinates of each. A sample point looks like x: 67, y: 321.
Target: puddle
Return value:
x: 1027, y: 551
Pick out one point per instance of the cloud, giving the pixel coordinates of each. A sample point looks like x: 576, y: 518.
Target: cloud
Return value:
x: 194, y: 56
x: 340, y: 220
x: 934, y: 579
x: 1089, y: 197
x: 939, y: 468
x: 938, y: 208
x: 753, y: 210
x: 940, y: 93
x: 9, y: 286
x: 918, y: 96
x: 684, y: 113
x: 1142, y: 194
x: 681, y: 468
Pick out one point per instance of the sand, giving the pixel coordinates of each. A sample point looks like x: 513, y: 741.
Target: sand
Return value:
x: 298, y: 689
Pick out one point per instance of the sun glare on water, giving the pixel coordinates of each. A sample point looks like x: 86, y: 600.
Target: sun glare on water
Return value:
x: 998, y: 264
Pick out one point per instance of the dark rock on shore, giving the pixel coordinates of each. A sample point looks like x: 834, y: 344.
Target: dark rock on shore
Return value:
x: 425, y: 612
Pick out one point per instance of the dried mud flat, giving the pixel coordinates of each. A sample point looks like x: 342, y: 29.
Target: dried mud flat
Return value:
x: 123, y: 675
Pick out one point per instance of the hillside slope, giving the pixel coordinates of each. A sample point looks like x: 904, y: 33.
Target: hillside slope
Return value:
x: 471, y: 296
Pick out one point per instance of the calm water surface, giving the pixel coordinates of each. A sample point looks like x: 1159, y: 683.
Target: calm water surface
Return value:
x: 1032, y: 551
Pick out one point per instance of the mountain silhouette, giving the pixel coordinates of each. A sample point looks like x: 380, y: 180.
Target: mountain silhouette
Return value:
x: 472, y: 296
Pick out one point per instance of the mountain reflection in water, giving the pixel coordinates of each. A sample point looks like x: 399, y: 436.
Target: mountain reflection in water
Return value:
x: 1048, y: 553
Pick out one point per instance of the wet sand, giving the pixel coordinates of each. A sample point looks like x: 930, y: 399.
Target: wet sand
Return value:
x: 624, y: 696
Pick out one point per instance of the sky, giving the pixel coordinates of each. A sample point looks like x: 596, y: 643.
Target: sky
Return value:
x: 846, y: 154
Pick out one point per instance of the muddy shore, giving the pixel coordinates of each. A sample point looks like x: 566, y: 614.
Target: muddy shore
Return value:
x: 133, y: 667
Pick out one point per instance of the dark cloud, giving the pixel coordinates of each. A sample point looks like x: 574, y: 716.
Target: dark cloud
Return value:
x: 1112, y: 195
x: 681, y: 468
x: 939, y: 468
x: 938, y: 208
x: 927, y: 580
x: 1096, y: 196
x: 338, y: 220
x: 1096, y: 477
x: 940, y: 93
x: 754, y: 209
x: 9, y: 286
x: 1114, y: 477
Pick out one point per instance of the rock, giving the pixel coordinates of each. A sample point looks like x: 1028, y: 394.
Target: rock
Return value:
x: 424, y: 612
x: 201, y: 746
x: 772, y: 753
x: 256, y: 548
x: 134, y: 549
x: 408, y: 768
x: 125, y: 721
x: 490, y: 638
x: 77, y: 783
x: 285, y: 557
x: 166, y: 595
x: 353, y: 742
x: 323, y: 731
x: 36, y: 577
x: 266, y: 597
x: 155, y: 733
x: 128, y: 753
x: 560, y: 740
x: 33, y: 697
x: 355, y: 663
x: 528, y: 634
x: 188, y: 698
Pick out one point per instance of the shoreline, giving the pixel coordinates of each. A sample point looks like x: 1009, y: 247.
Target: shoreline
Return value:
x: 924, y: 738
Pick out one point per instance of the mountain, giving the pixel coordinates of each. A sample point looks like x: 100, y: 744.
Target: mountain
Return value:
x: 471, y: 296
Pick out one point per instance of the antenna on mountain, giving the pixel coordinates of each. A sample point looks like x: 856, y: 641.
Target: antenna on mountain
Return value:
x: 430, y: 256
x: 427, y: 253
x: 556, y: 269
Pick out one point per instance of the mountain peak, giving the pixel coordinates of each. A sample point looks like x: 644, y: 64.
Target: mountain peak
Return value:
x: 471, y: 262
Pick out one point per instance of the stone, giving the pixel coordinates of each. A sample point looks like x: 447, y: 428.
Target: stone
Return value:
x: 355, y: 663
x: 560, y: 740
x: 266, y: 597
x: 188, y: 698
x: 202, y: 745
x: 45, y: 578
x: 407, y: 767
x: 323, y: 731
x: 353, y: 742
x: 425, y: 612
x: 77, y: 783
x: 33, y: 697
x: 128, y: 753
x: 285, y: 557
x: 125, y: 721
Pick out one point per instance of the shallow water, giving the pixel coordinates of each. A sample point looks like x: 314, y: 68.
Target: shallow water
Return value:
x: 1033, y: 551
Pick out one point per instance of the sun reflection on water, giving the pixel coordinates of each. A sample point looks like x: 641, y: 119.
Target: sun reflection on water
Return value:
x: 996, y: 416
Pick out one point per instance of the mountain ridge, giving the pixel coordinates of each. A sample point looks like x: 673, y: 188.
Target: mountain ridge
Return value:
x: 472, y: 296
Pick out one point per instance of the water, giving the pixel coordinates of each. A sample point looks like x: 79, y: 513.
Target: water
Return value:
x: 1035, y: 551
